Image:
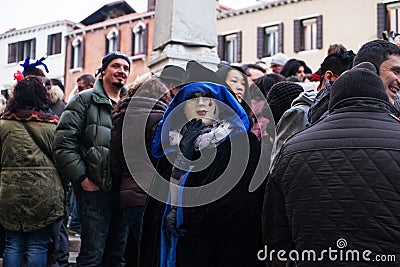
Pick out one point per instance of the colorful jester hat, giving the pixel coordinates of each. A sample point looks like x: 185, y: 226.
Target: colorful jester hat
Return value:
x: 26, y: 65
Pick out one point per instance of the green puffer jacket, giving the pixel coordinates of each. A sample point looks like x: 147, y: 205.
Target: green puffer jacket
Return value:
x: 82, y: 138
x: 31, y: 192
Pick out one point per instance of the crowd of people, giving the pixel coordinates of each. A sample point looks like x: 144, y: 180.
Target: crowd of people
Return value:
x: 249, y: 165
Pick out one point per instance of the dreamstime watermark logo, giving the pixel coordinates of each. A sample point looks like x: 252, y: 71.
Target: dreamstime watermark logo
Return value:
x: 340, y: 253
x: 151, y: 181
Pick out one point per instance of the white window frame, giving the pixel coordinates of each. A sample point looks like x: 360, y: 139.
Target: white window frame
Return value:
x: 77, y: 47
x: 231, y: 47
x: 271, y: 40
x: 112, y: 40
x: 393, y: 10
x: 310, y: 33
x: 138, y: 31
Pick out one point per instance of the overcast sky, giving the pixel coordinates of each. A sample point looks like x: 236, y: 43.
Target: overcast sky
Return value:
x: 26, y: 13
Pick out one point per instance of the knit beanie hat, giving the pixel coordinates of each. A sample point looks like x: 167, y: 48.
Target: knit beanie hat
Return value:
x: 358, y: 82
x: 111, y: 56
x: 279, y: 59
x: 281, y: 96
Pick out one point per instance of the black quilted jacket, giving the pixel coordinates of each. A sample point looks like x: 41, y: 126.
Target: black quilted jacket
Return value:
x: 338, y: 181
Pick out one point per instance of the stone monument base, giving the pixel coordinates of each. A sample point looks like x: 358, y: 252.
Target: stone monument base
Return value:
x: 179, y: 55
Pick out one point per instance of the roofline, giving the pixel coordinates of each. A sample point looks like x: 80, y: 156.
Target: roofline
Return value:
x: 258, y: 7
x: 109, y: 5
x: 13, y: 32
x: 126, y: 18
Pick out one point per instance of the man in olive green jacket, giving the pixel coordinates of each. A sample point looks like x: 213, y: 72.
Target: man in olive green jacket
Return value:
x: 81, y: 146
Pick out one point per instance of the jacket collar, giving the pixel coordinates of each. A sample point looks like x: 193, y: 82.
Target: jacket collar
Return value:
x: 99, y: 95
x: 366, y: 104
x: 30, y: 115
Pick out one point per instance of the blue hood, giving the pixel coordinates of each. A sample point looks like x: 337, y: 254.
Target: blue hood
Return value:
x: 236, y: 116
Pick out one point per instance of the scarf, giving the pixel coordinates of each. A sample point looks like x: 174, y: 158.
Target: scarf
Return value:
x: 210, y: 137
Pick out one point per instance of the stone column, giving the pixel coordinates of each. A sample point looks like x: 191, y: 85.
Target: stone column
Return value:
x: 184, y: 30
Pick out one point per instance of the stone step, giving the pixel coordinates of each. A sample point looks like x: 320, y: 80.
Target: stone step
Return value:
x: 72, y: 258
x: 74, y: 247
x: 74, y: 243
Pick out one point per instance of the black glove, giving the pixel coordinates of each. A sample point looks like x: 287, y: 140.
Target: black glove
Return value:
x: 193, y: 130
x: 186, y: 146
x: 170, y: 224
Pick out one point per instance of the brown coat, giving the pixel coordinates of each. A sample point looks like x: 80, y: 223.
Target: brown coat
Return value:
x: 129, y: 164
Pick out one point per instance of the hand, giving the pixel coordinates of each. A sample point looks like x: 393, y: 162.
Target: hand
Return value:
x: 186, y: 145
x: 88, y: 185
x: 170, y: 224
x: 193, y: 130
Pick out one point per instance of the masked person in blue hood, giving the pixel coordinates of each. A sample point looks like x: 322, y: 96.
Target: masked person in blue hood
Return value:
x: 210, y: 218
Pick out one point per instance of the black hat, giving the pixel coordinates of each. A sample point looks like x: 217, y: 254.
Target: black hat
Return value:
x: 196, y: 72
x: 281, y: 96
x: 361, y: 81
x: 172, y: 74
x: 111, y: 56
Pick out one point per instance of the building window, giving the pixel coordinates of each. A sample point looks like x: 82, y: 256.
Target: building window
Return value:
x: 112, y: 41
x: 20, y: 50
x: 139, y: 39
x: 269, y: 40
x: 309, y: 40
x: 393, y: 17
x: 230, y: 47
x: 308, y: 34
x: 388, y: 18
x: 77, y: 53
x: 54, y: 44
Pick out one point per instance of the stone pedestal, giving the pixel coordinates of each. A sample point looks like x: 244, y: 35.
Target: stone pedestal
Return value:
x: 184, y: 30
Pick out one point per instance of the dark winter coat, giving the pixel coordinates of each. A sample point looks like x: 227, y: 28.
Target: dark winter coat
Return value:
x: 319, y: 107
x: 134, y: 130
x: 82, y: 138
x: 292, y: 121
x: 339, y: 178
x: 222, y: 232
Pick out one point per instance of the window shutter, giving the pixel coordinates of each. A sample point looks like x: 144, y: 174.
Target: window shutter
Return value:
x: 146, y: 39
x: 82, y: 48
x: 58, y: 43
x: 260, y: 42
x: 12, y: 52
x: 239, y: 47
x: 118, y: 40
x: 20, y: 51
x: 280, y: 37
x: 33, y: 48
x: 221, y: 44
x: 382, y: 18
x: 49, y: 51
x: 319, y: 32
x: 71, y: 60
x: 132, y: 43
x: 106, y: 48
x: 297, y: 35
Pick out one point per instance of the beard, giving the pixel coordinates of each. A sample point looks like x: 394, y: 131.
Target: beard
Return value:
x: 118, y: 84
